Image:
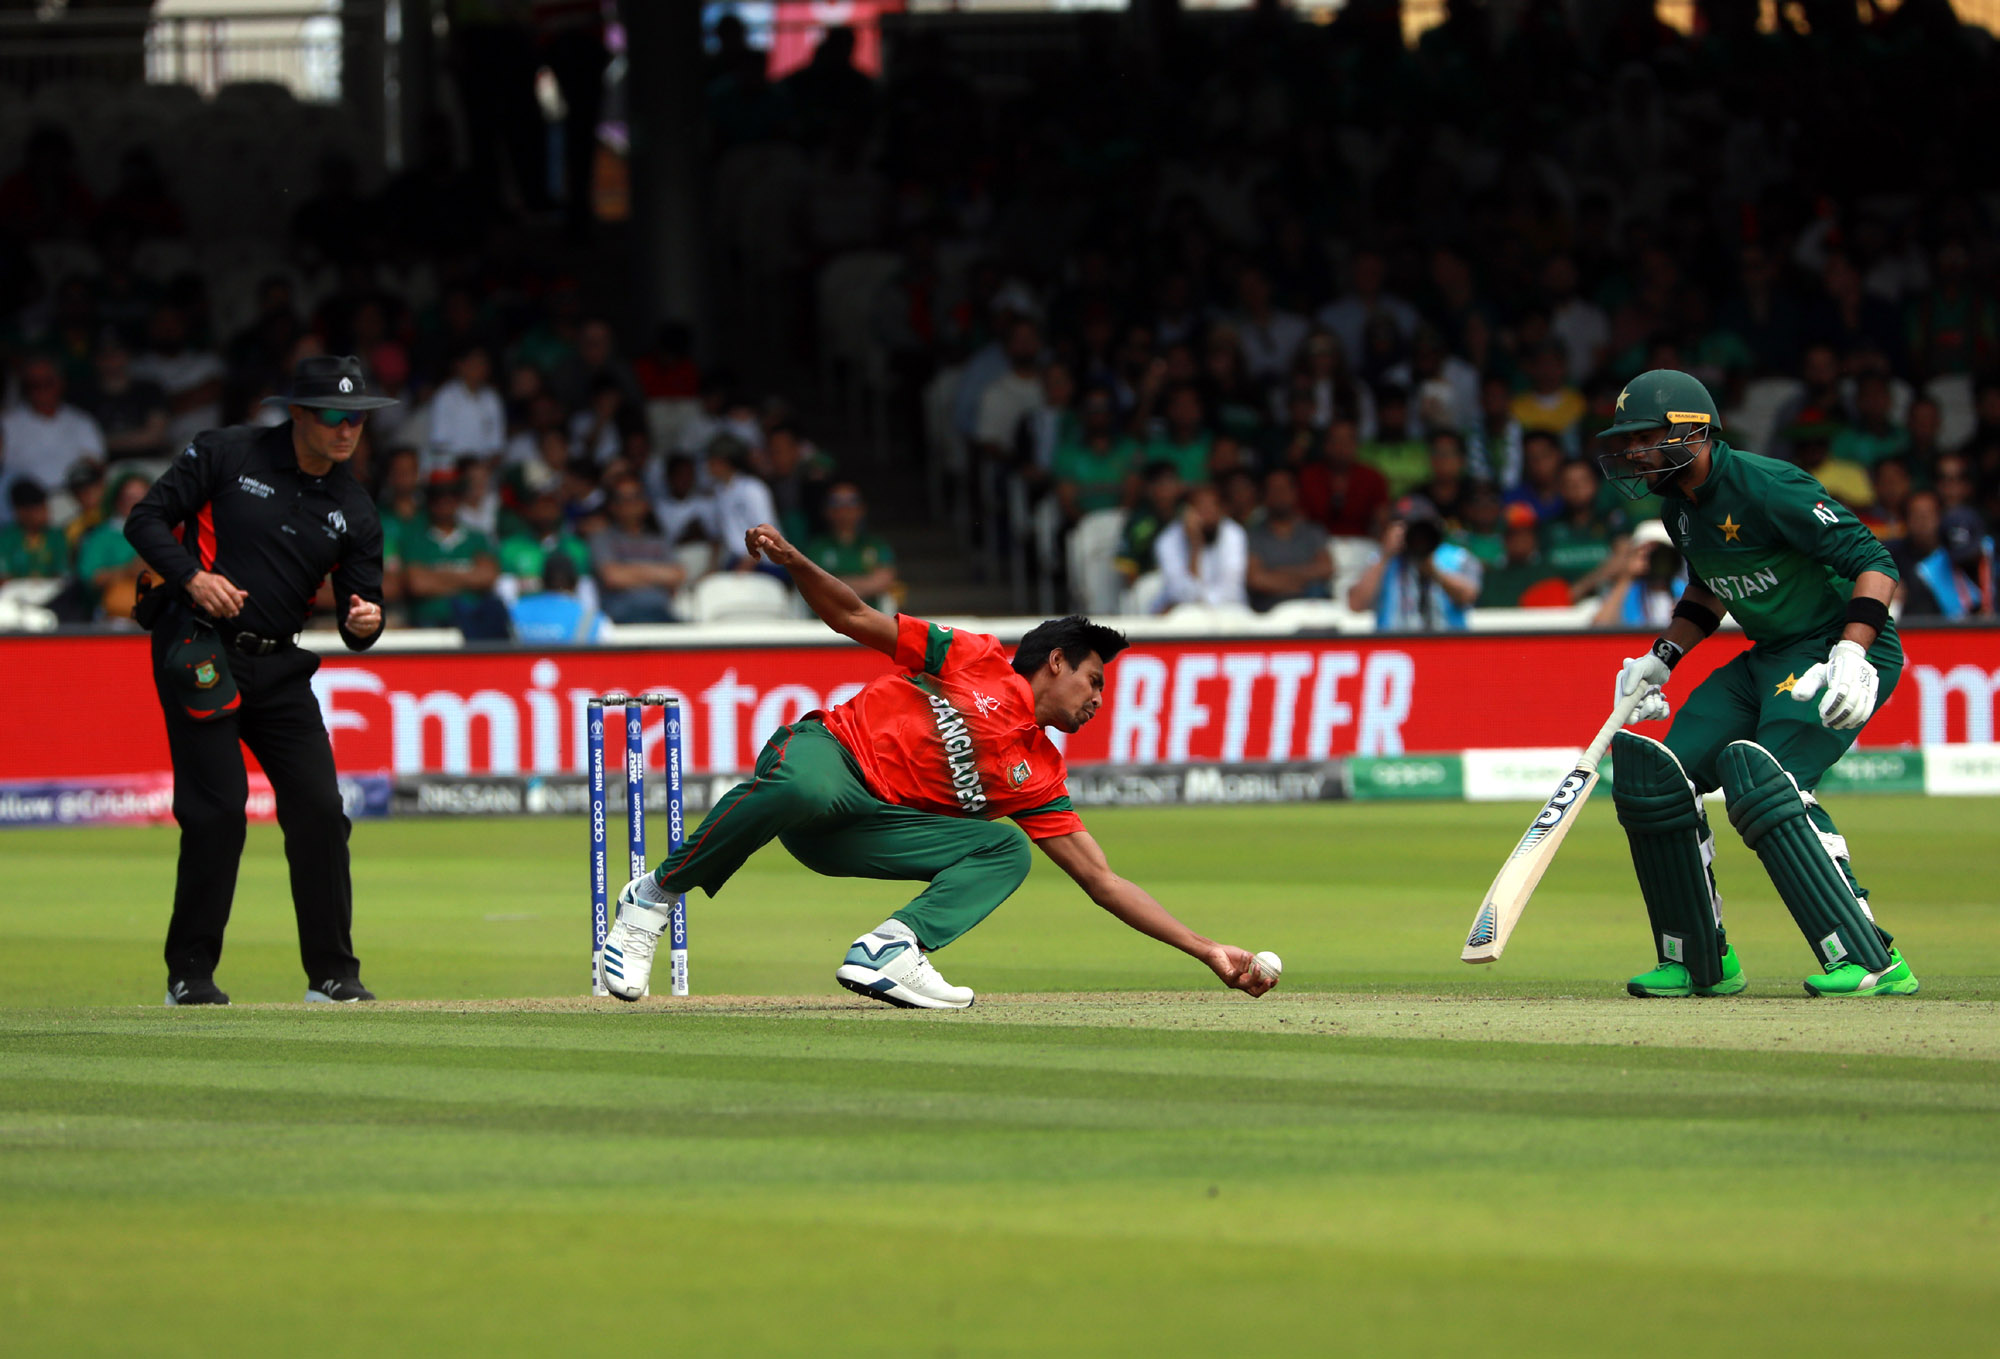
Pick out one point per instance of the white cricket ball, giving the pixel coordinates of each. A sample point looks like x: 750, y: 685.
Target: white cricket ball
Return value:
x: 1270, y: 965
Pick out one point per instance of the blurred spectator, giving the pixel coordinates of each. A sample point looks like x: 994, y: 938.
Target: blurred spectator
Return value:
x: 637, y: 573
x: 43, y: 436
x: 106, y: 564
x: 1933, y: 584
x: 1269, y: 336
x: 738, y: 500
x: 1242, y: 495
x: 682, y: 511
x: 554, y: 612
x: 1012, y: 395
x: 191, y: 377
x: 46, y: 199
x: 1846, y: 318
x: 1817, y: 405
x: 1154, y: 510
x: 85, y: 484
x: 1011, y: 309
x: 1578, y: 542
x: 1395, y: 451
x: 1962, y: 526
x: 1183, y: 438
x: 542, y: 530
x: 1235, y: 400
x: 1763, y: 314
x: 1481, y: 534
x: 1953, y: 327
x: 466, y: 414
x: 401, y: 503
x: 1873, y: 435
x: 595, y: 431
x: 1924, y: 425
x: 1339, y: 492
x: 1847, y: 482
x: 132, y: 414
x: 1444, y: 387
x: 1203, y: 555
x: 1522, y: 565
x: 1577, y: 323
x: 668, y: 372
x: 1551, y: 404
x: 1493, y: 448
x: 1416, y: 581
x: 1647, y: 580
x: 1288, y: 555
x: 1541, y: 472
x: 1095, y: 465
x: 1323, y: 376
x: 479, y: 503
x: 1366, y: 298
x: 847, y: 550
x: 1448, y: 487
x: 31, y: 546
x: 593, y: 365
x: 1893, y: 484
x: 449, y: 570
x: 798, y: 474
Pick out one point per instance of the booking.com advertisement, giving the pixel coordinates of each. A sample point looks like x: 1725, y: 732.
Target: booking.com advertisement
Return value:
x: 402, y: 721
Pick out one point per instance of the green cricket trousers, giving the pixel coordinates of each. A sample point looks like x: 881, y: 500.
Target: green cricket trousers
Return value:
x: 807, y: 792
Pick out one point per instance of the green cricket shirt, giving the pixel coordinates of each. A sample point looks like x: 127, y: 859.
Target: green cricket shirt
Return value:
x: 1773, y: 545
x: 45, y: 556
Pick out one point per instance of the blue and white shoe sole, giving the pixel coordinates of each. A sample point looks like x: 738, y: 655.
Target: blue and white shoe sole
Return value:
x: 867, y: 982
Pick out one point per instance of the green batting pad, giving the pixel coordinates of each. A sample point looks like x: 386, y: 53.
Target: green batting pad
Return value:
x: 1664, y: 823
x: 1769, y: 812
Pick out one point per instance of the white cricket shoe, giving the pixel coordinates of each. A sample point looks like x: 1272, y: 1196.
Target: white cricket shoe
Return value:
x: 627, y: 964
x: 888, y: 965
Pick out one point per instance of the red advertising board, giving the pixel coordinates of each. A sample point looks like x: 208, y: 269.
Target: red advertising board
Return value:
x: 93, y: 712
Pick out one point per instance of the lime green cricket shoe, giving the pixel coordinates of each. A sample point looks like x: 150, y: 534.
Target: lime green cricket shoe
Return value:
x: 1670, y: 980
x: 1852, y: 979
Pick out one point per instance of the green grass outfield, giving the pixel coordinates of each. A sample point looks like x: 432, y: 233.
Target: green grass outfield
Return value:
x: 1392, y: 1154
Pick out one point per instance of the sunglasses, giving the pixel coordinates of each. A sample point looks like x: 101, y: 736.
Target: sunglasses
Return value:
x: 333, y: 419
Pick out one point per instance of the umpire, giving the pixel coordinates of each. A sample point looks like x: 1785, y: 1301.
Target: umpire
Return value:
x: 242, y: 529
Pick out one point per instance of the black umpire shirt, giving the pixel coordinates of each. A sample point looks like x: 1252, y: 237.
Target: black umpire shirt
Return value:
x: 236, y: 502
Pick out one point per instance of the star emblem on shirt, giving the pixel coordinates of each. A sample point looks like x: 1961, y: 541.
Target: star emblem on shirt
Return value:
x: 1730, y: 528
x: 1786, y: 685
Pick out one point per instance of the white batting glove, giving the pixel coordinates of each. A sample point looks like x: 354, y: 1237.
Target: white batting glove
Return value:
x: 1648, y: 673
x: 1850, y: 683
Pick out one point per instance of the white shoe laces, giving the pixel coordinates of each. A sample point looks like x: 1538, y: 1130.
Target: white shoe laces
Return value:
x: 637, y: 942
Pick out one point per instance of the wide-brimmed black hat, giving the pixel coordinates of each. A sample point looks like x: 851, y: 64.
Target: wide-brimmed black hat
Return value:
x: 332, y: 381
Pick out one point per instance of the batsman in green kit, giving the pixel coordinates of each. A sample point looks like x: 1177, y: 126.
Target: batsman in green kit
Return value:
x: 1810, y: 586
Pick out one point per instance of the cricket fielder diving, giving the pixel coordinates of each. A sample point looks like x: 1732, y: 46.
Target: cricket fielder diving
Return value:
x: 1811, y: 588
x: 906, y: 781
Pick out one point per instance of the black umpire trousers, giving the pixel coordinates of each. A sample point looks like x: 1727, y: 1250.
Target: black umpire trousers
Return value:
x: 279, y: 719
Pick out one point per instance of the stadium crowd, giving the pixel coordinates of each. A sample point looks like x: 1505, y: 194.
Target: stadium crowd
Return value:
x: 1296, y: 311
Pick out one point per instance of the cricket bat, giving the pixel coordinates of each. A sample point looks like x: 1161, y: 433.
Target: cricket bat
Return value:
x: 1518, y: 877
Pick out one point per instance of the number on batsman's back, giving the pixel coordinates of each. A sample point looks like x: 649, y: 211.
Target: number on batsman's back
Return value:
x: 1522, y: 873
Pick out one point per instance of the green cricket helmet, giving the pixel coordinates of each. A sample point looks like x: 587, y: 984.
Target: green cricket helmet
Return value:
x: 1671, y: 402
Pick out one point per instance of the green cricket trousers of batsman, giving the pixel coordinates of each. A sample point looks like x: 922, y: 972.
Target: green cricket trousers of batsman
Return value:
x: 1748, y: 700
x: 806, y: 792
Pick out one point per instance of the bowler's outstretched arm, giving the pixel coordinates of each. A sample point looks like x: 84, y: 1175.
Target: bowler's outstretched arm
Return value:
x: 826, y: 595
x: 1079, y: 855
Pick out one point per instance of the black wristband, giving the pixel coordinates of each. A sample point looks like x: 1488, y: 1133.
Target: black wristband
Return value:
x: 1668, y: 653
x: 1708, y: 620
x: 1871, y: 612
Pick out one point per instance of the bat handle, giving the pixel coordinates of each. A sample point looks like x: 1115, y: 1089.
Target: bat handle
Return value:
x: 1620, y: 712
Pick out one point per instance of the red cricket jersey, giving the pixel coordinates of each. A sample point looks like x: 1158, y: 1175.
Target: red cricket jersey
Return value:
x: 956, y: 734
